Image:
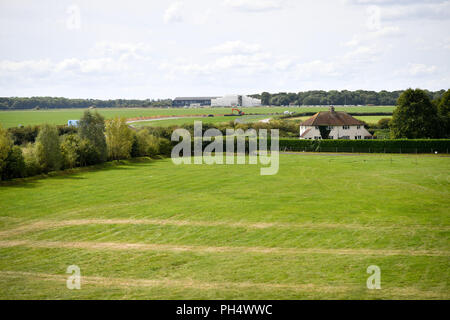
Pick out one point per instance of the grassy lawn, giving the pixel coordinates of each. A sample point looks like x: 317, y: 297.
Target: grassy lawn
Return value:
x: 61, y: 116
x: 153, y: 230
x: 190, y: 120
x: 367, y: 119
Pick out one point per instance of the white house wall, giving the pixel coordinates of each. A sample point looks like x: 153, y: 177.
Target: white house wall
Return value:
x: 337, y: 132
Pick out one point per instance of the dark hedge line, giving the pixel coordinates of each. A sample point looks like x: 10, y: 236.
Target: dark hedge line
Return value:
x: 356, y: 146
x: 306, y: 114
x: 28, y: 134
x: 377, y: 146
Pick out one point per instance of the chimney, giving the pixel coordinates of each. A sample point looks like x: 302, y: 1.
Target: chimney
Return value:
x: 331, y: 109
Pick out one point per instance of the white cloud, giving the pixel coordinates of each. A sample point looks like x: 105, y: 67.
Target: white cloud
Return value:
x: 174, y: 13
x: 430, y: 11
x: 387, y: 31
x: 417, y: 70
x: 254, y: 5
x: 235, y: 47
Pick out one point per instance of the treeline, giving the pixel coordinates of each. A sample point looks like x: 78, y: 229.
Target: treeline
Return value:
x: 334, y: 97
x: 34, y: 150
x: 16, y: 103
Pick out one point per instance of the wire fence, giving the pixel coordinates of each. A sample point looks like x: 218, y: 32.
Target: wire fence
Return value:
x: 367, y: 150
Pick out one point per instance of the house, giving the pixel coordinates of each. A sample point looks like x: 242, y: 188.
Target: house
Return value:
x: 338, y: 125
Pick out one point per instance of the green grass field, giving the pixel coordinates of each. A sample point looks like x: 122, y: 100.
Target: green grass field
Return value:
x: 367, y: 119
x: 61, y: 116
x: 153, y: 230
x: 190, y: 120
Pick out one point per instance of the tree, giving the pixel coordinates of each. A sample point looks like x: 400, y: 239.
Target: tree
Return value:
x: 88, y: 154
x: 415, y: 116
x: 443, y: 108
x: 47, y: 149
x: 70, y: 149
x: 265, y: 98
x: 383, y: 123
x: 92, y: 128
x: 119, y: 139
x: 5, y: 148
x: 15, y: 164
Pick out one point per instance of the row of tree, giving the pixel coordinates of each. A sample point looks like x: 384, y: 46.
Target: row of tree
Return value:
x: 316, y: 97
x: 334, y: 97
x: 95, y: 142
x: 417, y: 116
x: 16, y: 103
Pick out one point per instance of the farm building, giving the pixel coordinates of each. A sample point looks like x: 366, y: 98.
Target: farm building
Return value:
x: 338, y: 125
x: 225, y: 101
x: 192, y: 101
x: 235, y: 101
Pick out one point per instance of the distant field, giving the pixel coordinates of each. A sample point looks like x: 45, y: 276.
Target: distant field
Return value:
x: 153, y: 230
x: 190, y: 120
x: 368, y: 119
x: 61, y: 116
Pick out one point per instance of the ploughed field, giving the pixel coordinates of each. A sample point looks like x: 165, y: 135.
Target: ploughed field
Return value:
x: 152, y: 230
x: 61, y: 116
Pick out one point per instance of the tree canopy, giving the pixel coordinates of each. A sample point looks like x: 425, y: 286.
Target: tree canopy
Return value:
x: 415, y: 116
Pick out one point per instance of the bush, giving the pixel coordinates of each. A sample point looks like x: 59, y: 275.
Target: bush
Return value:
x: 119, y: 139
x: 32, y: 166
x: 379, y: 146
x: 88, y: 154
x: 47, y: 149
x: 92, y: 127
x: 70, y: 150
x: 24, y: 135
x: 5, y: 148
x: 384, y: 123
x: 15, y: 165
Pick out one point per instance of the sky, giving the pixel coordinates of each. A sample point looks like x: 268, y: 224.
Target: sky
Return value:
x: 164, y: 49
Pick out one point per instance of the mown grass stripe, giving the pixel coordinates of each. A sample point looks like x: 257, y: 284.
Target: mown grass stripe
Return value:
x: 47, y: 224
x: 203, y: 285
x: 213, y: 249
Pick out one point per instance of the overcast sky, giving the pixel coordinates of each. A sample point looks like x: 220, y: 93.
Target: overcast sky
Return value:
x: 164, y: 49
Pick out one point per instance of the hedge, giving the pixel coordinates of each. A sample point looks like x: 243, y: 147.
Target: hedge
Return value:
x: 372, y: 145
x: 357, y: 146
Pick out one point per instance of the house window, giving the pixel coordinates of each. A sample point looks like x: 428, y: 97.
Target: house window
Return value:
x: 345, y: 127
x: 330, y: 127
x: 346, y: 137
x: 317, y: 127
x: 330, y: 137
x: 316, y: 138
x: 358, y: 137
x: 358, y: 127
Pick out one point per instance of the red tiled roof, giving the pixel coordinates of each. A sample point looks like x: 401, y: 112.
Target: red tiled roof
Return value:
x: 332, y: 118
x: 304, y: 133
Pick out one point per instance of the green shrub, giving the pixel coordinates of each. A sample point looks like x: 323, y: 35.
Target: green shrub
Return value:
x: 372, y: 145
x: 47, y: 149
x: 15, y: 164
x: 70, y: 150
x: 32, y: 166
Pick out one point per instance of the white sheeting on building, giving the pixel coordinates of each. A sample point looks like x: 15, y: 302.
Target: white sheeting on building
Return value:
x: 235, y: 100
